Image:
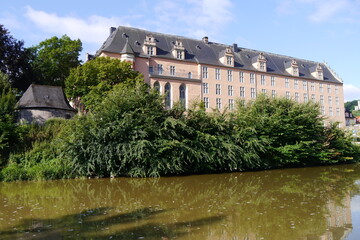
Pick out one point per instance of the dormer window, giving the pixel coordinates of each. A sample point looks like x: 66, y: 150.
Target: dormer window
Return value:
x: 292, y: 68
x: 320, y: 75
x: 179, y: 54
x: 259, y: 62
x: 150, y: 50
x: 295, y: 71
x: 227, y: 57
x: 229, y: 60
x: 262, y: 66
x: 149, y: 45
x: 295, y: 68
x: 178, y: 50
x: 317, y: 72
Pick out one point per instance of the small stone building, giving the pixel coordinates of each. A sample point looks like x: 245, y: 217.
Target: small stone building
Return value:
x: 40, y: 103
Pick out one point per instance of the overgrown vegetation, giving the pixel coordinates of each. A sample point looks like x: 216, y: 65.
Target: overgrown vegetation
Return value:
x: 130, y: 133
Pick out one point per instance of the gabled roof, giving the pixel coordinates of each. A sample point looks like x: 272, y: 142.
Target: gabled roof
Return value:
x: 197, y: 51
x: 43, y: 96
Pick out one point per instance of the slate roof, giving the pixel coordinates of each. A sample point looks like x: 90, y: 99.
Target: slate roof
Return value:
x: 199, y: 52
x: 43, y: 96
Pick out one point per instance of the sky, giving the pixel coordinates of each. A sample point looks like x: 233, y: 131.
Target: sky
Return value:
x: 318, y: 30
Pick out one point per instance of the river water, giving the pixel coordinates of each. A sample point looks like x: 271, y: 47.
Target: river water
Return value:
x: 303, y: 203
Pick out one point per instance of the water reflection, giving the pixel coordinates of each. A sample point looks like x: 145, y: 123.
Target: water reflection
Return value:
x: 311, y: 203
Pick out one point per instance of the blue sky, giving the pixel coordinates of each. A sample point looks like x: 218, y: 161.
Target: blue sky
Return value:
x: 318, y: 30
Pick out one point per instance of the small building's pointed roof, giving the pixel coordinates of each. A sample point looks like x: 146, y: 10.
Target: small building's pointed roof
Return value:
x: 127, y: 49
x: 43, y: 96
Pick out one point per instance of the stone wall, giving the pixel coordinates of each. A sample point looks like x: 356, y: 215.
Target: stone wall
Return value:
x: 39, y: 116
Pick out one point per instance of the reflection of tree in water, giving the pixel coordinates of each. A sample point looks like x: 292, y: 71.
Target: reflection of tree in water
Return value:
x: 278, y: 204
x: 95, y: 224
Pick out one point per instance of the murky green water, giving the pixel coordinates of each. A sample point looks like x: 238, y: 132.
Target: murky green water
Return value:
x: 312, y: 203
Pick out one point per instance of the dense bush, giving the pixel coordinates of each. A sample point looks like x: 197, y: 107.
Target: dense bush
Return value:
x: 131, y: 134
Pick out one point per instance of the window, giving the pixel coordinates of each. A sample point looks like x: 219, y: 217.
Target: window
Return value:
x: 172, y: 70
x: 230, y: 90
x: 218, y: 103
x: 150, y: 50
x: 288, y: 96
x: 205, y: 88
x: 160, y: 69
x: 217, y: 74
x: 241, y: 77
x: 252, y: 93
x: 262, y: 79
x: 296, y: 71
x: 273, y: 93
x: 287, y: 84
x: 329, y: 100
x: 329, y: 88
x: 218, y: 89
x: 205, y: 72
x: 262, y: 66
x: 306, y: 98
x: 229, y: 60
x: 231, y: 104
x: 206, y: 102
x: 337, y: 111
x: 312, y: 86
x: 321, y: 99
x: 337, y: 101
x: 242, y: 92
x: 252, y: 78
x: 321, y: 88
x: 313, y: 98
x: 296, y: 84
x: 322, y: 110
x: 304, y: 85
x: 263, y: 91
x: 182, y: 94
x: 229, y: 72
x: 320, y: 75
x: 157, y: 86
x: 297, y: 96
x: 272, y: 81
x: 331, y: 111
x: 189, y: 75
x: 179, y: 54
x: 336, y: 90
x: 167, y: 96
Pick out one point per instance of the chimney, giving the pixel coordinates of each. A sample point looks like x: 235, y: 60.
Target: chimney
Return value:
x: 235, y: 47
x: 112, y: 29
x: 205, y: 40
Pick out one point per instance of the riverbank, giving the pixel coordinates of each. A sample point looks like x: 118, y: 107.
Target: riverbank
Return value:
x: 132, y: 134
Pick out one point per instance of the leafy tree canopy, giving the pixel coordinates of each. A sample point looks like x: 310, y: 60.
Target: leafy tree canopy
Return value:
x: 350, y: 106
x: 93, y: 80
x: 14, y: 60
x: 53, y: 59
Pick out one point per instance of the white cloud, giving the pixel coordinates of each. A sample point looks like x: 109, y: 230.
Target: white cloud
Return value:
x: 322, y: 10
x: 95, y: 29
x: 351, y: 92
x: 194, y: 18
x: 326, y: 10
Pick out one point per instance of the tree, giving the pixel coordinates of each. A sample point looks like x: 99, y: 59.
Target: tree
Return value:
x: 350, y: 106
x: 8, y: 134
x: 14, y: 60
x: 53, y: 59
x: 93, y: 80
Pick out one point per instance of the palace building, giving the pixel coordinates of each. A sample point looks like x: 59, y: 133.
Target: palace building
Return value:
x: 187, y: 70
